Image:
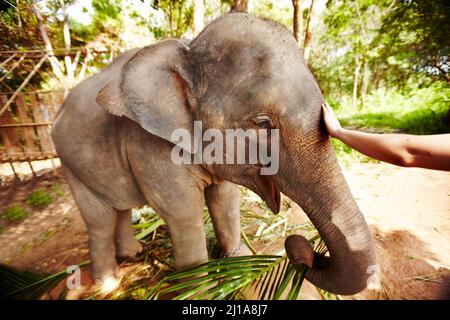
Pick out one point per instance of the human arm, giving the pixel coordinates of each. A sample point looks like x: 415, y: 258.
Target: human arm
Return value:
x: 426, y: 151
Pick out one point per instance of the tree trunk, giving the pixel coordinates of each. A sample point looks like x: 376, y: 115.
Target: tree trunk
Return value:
x: 170, y: 18
x: 198, y: 22
x: 56, y: 67
x: 86, y: 59
x: 239, y: 6
x: 355, y: 80
x: 19, y: 19
x: 365, y: 84
x: 309, y: 32
x: 66, y: 33
x: 297, y: 20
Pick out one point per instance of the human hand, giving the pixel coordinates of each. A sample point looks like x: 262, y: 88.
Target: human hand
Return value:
x: 331, y: 122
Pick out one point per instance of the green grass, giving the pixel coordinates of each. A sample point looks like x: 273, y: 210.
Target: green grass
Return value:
x: 421, y: 111
x: 347, y: 155
x: 39, y: 198
x: 58, y: 190
x: 419, y: 121
x: 15, y: 213
x: 424, y: 111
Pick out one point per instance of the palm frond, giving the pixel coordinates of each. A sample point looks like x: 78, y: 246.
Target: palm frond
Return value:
x: 264, y: 276
x: 26, y: 285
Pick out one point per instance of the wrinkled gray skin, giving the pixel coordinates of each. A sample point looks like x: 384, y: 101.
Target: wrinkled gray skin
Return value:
x: 113, y: 138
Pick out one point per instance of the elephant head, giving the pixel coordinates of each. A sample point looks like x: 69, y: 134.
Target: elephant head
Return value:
x: 245, y: 72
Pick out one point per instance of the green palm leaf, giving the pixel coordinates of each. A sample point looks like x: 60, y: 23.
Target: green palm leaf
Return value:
x: 18, y: 285
x: 268, y: 276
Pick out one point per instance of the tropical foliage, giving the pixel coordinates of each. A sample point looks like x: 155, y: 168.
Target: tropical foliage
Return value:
x: 359, y: 50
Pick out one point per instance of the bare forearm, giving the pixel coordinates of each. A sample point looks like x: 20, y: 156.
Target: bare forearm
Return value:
x: 431, y: 152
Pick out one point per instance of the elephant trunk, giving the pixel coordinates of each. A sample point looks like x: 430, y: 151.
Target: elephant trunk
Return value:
x: 324, y: 195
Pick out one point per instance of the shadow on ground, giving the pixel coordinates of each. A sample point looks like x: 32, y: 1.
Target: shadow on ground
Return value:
x: 408, y: 268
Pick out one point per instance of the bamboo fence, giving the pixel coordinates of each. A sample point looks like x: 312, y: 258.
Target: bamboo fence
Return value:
x: 26, y: 115
x: 25, y: 126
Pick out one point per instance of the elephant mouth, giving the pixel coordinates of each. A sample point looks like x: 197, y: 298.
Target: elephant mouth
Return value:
x: 269, y: 192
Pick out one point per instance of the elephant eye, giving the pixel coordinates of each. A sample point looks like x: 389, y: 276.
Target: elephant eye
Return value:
x: 263, y: 122
x: 264, y: 125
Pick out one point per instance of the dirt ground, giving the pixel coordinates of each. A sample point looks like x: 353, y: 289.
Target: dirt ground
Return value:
x: 408, y: 211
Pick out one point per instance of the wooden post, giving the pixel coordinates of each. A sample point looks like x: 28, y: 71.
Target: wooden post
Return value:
x: 55, y: 171
x: 28, y: 133
x: 10, y: 138
x: 31, y: 167
x: 46, y: 112
x: 16, y: 176
x: 43, y: 130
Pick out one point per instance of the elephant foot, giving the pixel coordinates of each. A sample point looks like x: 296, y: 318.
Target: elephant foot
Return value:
x: 100, y: 275
x: 106, y: 278
x: 238, y: 251
x: 108, y: 284
x: 88, y: 286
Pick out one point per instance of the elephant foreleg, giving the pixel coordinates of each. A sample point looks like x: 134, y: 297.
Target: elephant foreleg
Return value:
x: 222, y: 200
x: 188, y: 238
x: 182, y: 210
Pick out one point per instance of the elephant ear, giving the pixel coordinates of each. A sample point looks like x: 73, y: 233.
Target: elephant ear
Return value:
x: 155, y: 90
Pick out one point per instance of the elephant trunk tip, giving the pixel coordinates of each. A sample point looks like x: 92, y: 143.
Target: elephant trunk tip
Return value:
x: 331, y: 276
x: 299, y: 250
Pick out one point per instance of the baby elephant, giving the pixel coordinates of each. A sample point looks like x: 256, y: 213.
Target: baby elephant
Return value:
x: 114, y: 136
